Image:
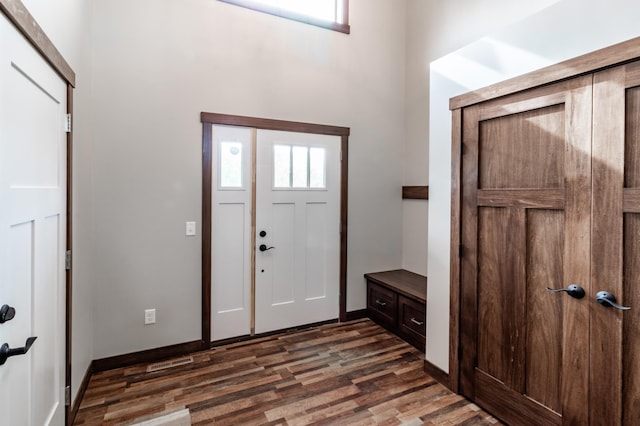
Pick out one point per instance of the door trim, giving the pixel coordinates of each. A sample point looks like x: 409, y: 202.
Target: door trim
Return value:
x: 27, y: 25
x: 598, y: 60
x: 208, y: 120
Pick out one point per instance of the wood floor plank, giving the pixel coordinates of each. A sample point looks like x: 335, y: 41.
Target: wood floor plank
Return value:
x: 352, y: 373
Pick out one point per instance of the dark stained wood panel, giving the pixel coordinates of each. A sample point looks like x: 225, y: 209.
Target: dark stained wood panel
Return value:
x: 632, y: 139
x: 524, y: 150
x: 630, y: 294
x: 455, y: 245
x: 501, y: 292
x: 545, y: 248
x: 415, y: 192
x: 348, y: 373
x: 608, y: 168
x: 631, y: 325
x: 403, y: 282
x: 528, y: 198
x: 524, y: 173
x: 270, y: 124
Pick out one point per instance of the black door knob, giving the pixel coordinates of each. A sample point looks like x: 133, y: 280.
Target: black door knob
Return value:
x: 574, y: 290
x: 6, y: 313
x: 6, y: 351
x: 263, y: 247
x: 263, y: 234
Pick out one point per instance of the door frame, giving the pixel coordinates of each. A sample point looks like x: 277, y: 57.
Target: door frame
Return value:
x: 208, y: 119
x: 25, y: 24
x: 598, y: 60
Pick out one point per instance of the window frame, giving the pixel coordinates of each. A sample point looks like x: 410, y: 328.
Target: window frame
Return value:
x: 342, y: 27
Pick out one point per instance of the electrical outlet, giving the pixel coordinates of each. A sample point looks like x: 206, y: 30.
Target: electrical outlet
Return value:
x: 149, y: 316
x: 190, y: 229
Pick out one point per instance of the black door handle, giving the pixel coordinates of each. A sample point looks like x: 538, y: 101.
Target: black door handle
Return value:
x: 263, y: 247
x: 574, y: 290
x: 608, y: 300
x: 6, y: 351
x: 6, y: 313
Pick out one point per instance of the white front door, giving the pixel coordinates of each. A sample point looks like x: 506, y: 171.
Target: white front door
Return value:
x: 231, y: 197
x: 297, y: 229
x: 32, y: 232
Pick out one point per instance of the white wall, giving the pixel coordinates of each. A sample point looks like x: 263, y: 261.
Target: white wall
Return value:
x: 561, y: 31
x: 156, y: 65
x: 67, y: 24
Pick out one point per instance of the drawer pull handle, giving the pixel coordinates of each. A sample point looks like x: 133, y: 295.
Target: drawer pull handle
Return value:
x: 379, y: 303
x: 416, y: 322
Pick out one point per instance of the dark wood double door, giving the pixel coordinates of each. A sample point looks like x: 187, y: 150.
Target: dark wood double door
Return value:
x: 550, y: 193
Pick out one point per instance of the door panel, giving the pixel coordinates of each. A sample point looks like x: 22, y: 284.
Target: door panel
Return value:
x: 630, y: 296
x: 525, y: 227
x: 631, y: 325
x: 32, y: 231
x: 231, y: 245
x: 615, y: 351
x: 298, y: 206
x: 543, y: 362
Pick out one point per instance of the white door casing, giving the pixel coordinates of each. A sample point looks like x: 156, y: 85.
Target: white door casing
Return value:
x: 231, y: 232
x: 32, y: 231
x: 297, y: 281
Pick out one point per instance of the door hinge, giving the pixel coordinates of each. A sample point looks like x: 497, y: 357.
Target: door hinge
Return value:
x: 67, y: 395
x: 460, y: 250
x: 67, y: 260
x: 67, y: 123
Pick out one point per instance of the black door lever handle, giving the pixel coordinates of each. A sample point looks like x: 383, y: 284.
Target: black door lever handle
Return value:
x: 263, y: 247
x: 6, y: 313
x: 6, y: 351
x: 608, y: 300
x: 574, y: 290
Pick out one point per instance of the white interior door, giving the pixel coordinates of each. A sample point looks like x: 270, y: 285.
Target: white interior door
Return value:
x: 32, y: 232
x: 298, y: 212
x: 231, y: 232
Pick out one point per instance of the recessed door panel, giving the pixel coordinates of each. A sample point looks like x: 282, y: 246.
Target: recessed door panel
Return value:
x: 316, y: 251
x: 282, y: 265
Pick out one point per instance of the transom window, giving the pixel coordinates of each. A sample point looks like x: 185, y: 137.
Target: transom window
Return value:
x: 299, y: 167
x: 331, y: 14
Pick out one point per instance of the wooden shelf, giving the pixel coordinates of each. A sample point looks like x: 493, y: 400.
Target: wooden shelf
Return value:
x: 415, y: 192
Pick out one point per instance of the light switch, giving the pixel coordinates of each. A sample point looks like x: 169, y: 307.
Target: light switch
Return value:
x: 191, y: 229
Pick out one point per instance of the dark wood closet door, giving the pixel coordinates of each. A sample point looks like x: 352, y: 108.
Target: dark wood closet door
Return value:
x: 615, y: 334
x: 525, y: 225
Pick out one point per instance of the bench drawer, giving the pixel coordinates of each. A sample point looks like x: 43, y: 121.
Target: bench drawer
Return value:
x: 412, y: 319
x: 382, y: 303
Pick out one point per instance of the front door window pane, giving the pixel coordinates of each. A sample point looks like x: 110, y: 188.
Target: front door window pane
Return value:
x: 281, y: 166
x: 231, y: 165
x: 317, y: 168
x: 300, y: 166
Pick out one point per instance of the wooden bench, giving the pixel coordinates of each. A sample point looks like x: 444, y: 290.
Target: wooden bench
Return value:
x: 397, y: 301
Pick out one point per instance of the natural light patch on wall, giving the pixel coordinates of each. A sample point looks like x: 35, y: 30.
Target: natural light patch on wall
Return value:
x: 487, y: 60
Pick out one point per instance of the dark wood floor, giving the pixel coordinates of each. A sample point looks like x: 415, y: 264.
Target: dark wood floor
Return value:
x: 353, y: 373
